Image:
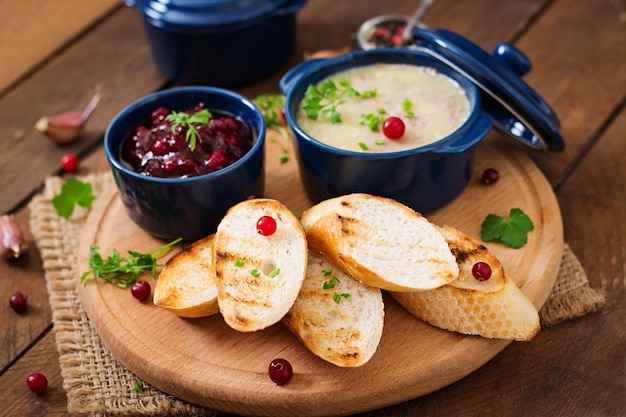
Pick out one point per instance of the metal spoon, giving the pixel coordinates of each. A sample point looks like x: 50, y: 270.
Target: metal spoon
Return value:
x: 419, y: 12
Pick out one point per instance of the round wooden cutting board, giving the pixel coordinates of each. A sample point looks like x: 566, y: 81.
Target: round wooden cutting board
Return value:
x: 205, y: 362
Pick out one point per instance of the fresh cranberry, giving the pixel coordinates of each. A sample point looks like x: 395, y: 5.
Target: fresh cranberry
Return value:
x: 393, y: 128
x: 481, y: 271
x: 18, y: 302
x: 140, y: 290
x: 280, y: 371
x: 396, y: 40
x: 37, y: 383
x: 69, y: 162
x: 266, y: 226
x: 159, y: 148
x: 490, y: 176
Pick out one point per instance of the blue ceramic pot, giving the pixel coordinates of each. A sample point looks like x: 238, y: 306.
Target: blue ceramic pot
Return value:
x: 223, y: 43
x: 190, y: 208
x: 424, y: 178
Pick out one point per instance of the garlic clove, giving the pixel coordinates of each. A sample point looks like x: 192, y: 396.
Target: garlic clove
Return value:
x: 12, y: 241
x: 66, y: 127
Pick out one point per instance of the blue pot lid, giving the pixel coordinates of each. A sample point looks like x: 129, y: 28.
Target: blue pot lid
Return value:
x: 512, y: 105
x: 204, y: 13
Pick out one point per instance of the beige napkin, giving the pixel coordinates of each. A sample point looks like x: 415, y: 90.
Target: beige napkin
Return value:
x: 98, y: 385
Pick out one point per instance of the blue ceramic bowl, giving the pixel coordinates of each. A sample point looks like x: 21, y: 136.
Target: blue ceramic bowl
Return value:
x: 424, y: 178
x: 190, y: 208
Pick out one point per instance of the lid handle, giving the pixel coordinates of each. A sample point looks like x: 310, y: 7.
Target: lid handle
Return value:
x: 512, y: 58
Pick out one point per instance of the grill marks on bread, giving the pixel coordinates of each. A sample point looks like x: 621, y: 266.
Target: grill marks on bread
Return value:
x: 344, y: 333
x: 380, y: 242
x: 258, y: 277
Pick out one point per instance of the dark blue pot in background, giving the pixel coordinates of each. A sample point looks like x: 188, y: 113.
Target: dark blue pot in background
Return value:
x: 223, y: 43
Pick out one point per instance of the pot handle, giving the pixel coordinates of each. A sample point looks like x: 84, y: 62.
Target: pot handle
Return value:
x: 478, y: 130
x: 293, y: 75
x: 290, y: 7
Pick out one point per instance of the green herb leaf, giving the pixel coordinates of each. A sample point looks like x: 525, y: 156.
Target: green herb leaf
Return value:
x: 115, y: 266
x: 327, y: 272
x: 271, y: 106
x: 283, y: 159
x: 372, y: 121
x: 337, y: 297
x: 138, y: 386
x: 73, y: 192
x: 239, y: 262
x: 324, y: 100
x: 363, y: 146
x: 330, y: 284
x: 186, y: 121
x: 407, y: 106
x: 511, y: 232
x: 274, y: 273
x: 255, y: 273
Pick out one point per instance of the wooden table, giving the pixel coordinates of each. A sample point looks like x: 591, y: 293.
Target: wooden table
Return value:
x: 53, y: 54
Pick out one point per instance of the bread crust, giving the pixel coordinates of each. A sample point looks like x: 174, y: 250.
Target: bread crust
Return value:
x: 186, y: 284
x: 495, y: 308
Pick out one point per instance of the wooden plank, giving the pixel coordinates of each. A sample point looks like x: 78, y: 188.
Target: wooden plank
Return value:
x: 25, y: 275
x: 579, y: 56
x: 114, y: 56
x: 15, y: 397
x: 32, y: 31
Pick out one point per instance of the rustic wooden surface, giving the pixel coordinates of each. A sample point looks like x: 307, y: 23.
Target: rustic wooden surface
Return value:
x: 579, y: 67
x: 431, y: 358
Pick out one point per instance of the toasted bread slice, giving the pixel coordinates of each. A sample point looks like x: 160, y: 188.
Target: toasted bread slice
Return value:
x: 186, y: 285
x: 495, y: 308
x: 380, y: 242
x: 258, y: 277
x: 342, y: 323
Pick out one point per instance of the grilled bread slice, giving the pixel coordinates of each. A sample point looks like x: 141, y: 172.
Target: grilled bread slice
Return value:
x: 258, y: 277
x: 186, y: 285
x: 380, y: 242
x: 495, y: 308
x: 336, y: 317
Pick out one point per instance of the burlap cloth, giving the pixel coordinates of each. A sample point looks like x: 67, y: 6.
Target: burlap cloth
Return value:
x: 98, y: 385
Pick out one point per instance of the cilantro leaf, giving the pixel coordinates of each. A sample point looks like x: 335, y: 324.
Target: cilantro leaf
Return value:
x: 186, y: 120
x: 73, y: 192
x: 512, y: 231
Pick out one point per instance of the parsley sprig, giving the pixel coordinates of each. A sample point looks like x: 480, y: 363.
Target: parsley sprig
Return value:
x: 324, y: 100
x: 115, y: 266
x: 271, y: 106
x: 73, y: 192
x: 186, y: 120
x: 512, y: 231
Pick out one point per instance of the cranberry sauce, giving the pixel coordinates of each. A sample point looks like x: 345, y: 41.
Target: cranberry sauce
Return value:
x: 153, y: 149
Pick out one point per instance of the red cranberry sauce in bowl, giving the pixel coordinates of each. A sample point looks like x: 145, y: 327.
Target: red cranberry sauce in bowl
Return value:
x: 188, y: 143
